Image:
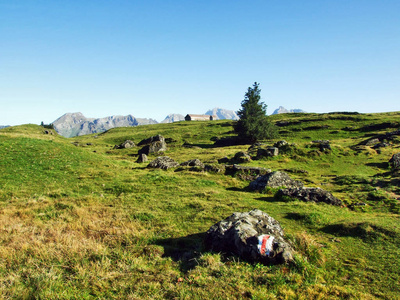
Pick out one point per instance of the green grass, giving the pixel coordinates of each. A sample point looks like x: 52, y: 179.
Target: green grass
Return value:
x: 79, y: 219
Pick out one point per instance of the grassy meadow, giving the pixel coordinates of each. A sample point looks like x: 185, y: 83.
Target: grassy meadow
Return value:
x: 82, y: 220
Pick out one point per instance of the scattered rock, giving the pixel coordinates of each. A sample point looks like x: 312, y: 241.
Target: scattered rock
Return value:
x: 280, y: 144
x: 324, y: 145
x: 214, y: 168
x: 224, y: 160
x: 274, y: 180
x: 244, y: 172
x: 192, y: 163
x: 163, y: 162
x: 252, y: 151
x: 309, y: 195
x: 125, y: 145
x: 153, y: 147
x: 156, y: 138
x: 253, y: 236
x: 241, y: 157
x: 48, y: 132
x: 269, y: 152
x: 380, y: 145
x: 372, y: 142
x: 394, y: 162
x: 142, y: 158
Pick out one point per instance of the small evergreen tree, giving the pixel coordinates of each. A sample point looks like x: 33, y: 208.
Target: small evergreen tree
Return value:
x: 254, y: 124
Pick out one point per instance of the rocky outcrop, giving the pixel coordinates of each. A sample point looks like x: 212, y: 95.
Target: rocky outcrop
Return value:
x: 274, y: 180
x: 308, y: 195
x: 253, y: 236
x: 163, y: 162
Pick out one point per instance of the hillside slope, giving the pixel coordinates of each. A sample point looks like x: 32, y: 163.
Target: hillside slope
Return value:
x: 80, y: 219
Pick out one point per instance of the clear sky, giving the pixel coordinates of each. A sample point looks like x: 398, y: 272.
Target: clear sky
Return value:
x: 152, y: 58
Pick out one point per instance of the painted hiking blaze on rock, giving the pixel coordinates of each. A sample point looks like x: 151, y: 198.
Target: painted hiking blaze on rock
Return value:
x: 265, y: 244
x: 253, y: 236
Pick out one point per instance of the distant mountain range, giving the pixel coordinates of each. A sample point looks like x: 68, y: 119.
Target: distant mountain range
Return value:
x: 4, y: 126
x: 222, y: 114
x: 282, y: 110
x: 76, y: 124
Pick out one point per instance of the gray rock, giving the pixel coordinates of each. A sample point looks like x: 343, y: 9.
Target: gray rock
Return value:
x: 324, y: 145
x: 280, y: 144
x: 309, y: 195
x: 214, y: 168
x: 253, y: 236
x: 245, y: 172
x: 156, y: 138
x: 192, y: 163
x: 253, y: 149
x: 153, y: 147
x: 372, y: 142
x: 125, y: 145
x: 142, y: 158
x: 394, y: 162
x: 275, y: 179
x: 241, y: 157
x: 163, y: 162
x: 260, y: 150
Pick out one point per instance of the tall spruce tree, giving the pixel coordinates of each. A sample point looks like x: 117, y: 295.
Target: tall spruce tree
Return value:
x: 254, y: 124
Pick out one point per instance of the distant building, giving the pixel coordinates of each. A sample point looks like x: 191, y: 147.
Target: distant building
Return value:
x: 191, y: 117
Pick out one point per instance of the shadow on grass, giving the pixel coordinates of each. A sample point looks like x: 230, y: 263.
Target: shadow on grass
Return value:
x: 269, y: 199
x: 366, y: 231
x: 236, y: 189
x: 203, y: 146
x: 185, y: 250
x: 383, y: 166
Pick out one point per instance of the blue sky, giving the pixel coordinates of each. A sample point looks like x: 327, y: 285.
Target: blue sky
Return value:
x: 152, y: 58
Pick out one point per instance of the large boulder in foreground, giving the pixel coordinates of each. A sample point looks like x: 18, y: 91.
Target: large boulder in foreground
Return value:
x: 309, y: 194
x: 274, y: 180
x: 253, y: 236
x: 163, y: 162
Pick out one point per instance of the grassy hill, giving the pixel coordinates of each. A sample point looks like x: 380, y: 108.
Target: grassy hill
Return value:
x: 82, y: 220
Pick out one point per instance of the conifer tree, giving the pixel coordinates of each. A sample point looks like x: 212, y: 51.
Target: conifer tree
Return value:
x: 254, y: 124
